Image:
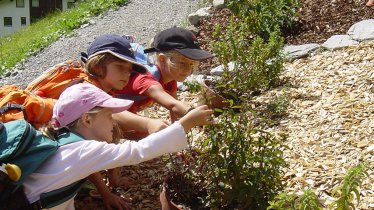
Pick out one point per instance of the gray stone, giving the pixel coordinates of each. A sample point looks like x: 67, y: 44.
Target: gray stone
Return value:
x: 299, y: 51
x: 363, y: 30
x: 14, y: 73
x: 219, y: 4
x: 193, y: 29
x: 218, y: 71
x: 194, y: 18
x: 199, y: 78
x: 339, y: 41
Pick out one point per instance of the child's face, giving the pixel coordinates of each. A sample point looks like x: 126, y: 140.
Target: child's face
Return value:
x: 181, y: 67
x: 117, y: 75
x: 102, y: 125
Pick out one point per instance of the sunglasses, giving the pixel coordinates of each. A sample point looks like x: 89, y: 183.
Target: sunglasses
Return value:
x: 184, y: 64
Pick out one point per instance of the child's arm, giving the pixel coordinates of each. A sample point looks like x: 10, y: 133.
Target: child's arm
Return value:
x: 174, y: 116
x: 78, y: 160
x: 110, y: 200
x: 130, y: 121
x: 158, y: 94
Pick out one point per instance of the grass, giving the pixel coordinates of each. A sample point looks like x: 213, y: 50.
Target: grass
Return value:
x: 22, y: 44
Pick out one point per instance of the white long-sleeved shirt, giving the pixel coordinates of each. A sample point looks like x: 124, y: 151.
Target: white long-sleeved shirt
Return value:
x: 78, y: 160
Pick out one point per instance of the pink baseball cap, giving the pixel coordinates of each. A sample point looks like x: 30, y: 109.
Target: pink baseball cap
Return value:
x: 81, y: 98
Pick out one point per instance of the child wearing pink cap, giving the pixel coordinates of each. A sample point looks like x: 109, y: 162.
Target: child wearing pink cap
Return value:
x: 87, y: 111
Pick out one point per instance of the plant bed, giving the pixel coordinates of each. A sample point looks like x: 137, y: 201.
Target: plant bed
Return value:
x: 182, y: 189
x: 303, y: 150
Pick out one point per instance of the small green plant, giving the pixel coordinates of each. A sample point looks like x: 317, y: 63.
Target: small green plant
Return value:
x: 350, y: 187
x: 347, y: 190
x: 193, y: 86
x: 278, y: 107
x: 307, y: 201
x: 283, y: 201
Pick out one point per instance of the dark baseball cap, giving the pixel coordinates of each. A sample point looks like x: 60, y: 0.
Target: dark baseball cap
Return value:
x: 181, y: 40
x: 116, y: 45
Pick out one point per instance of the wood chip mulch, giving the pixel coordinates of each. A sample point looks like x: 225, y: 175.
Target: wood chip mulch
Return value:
x: 330, y: 120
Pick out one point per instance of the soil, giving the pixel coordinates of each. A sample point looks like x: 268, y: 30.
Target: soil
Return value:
x: 317, y: 21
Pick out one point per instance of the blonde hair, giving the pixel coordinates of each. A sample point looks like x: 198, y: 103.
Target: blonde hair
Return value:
x: 169, y: 53
x: 117, y: 133
x: 96, y: 65
x: 156, y: 55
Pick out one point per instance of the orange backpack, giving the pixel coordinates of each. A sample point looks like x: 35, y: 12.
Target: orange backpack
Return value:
x: 37, y: 100
x: 16, y: 104
x: 54, y: 81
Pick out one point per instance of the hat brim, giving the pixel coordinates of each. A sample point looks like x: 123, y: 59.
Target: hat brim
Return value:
x: 195, y: 54
x: 137, y: 66
x: 116, y: 104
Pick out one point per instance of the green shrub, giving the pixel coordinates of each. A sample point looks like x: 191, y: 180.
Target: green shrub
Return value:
x: 307, y: 201
x: 350, y: 187
x: 242, y: 165
x: 263, y: 16
x: 278, y: 106
x: 347, y: 190
x: 193, y: 86
x: 283, y: 201
x: 257, y: 63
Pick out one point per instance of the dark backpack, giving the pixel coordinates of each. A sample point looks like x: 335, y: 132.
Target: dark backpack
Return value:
x: 27, y: 148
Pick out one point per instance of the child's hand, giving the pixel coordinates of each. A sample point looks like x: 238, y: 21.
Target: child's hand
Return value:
x: 201, y: 115
x: 155, y: 125
x: 112, y: 201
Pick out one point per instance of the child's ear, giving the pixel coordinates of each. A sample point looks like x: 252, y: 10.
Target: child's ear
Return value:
x: 162, y: 58
x: 86, y: 120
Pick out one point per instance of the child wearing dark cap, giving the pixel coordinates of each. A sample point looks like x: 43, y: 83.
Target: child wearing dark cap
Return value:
x: 177, y: 56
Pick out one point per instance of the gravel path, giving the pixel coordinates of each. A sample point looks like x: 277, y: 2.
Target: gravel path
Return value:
x: 141, y: 18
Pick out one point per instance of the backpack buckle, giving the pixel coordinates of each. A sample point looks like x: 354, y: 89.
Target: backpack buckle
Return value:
x: 37, y: 205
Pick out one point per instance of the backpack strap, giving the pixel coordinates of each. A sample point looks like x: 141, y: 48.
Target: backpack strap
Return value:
x: 58, y: 196
x: 68, y: 137
x: 11, y: 106
x: 153, y: 69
